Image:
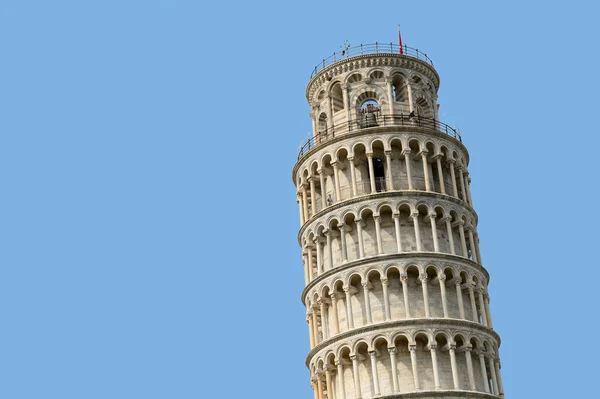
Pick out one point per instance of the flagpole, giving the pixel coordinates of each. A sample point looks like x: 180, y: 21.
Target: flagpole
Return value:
x: 400, y: 40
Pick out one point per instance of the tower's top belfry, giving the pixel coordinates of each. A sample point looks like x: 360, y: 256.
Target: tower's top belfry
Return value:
x: 396, y: 294
x: 398, y: 83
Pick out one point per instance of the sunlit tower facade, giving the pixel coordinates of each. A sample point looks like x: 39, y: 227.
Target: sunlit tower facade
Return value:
x: 395, y: 289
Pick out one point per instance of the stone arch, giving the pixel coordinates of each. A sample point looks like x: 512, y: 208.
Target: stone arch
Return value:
x: 337, y: 96
x: 352, y: 78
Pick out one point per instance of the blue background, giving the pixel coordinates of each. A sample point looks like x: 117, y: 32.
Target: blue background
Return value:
x: 148, y: 219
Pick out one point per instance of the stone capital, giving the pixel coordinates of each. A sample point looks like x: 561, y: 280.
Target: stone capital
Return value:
x: 392, y: 350
x: 384, y: 281
x: 348, y: 289
x: 404, y: 277
x: 432, y: 216
x: 459, y: 223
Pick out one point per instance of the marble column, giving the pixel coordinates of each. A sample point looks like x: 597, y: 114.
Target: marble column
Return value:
x: 448, y: 221
x: 415, y: 366
x: 373, y: 355
x: 377, y: 220
x: 356, y: 377
x: 404, y: 281
x: 366, y: 289
x: 353, y: 175
x: 467, y: 350
x: 442, y: 281
x: 394, y: 366
x: 408, y: 161
x: 371, y: 172
x: 436, y: 244
x: 336, y: 181
x: 323, y: 188
x: 451, y: 163
x: 459, y: 297
x: 386, y: 299
x: 453, y: 366
x: 396, y: 217
x: 426, y: 170
x: 343, y: 228
x: 471, y: 287
x: 436, y: 373
x: 486, y: 383
x: 415, y: 216
x: 424, y: 285
x: 334, y: 311
x: 313, y: 195
x: 329, y: 238
x: 341, y: 391
x: 388, y: 163
x: 361, y: 245
x: 348, y: 290
x: 438, y: 161
x: 472, y: 244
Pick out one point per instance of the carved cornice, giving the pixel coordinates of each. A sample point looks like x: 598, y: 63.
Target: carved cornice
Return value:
x: 382, y: 60
x: 414, y: 323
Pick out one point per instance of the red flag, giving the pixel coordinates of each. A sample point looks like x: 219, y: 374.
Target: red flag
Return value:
x: 400, y: 40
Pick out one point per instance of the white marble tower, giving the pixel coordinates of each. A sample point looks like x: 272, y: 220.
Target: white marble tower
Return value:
x: 396, y: 294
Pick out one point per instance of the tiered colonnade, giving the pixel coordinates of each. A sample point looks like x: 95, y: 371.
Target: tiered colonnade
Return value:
x: 395, y: 291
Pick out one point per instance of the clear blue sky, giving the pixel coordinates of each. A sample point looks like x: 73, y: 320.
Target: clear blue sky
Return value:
x: 148, y: 219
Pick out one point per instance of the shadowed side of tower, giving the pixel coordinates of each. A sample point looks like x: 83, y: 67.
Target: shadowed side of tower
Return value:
x: 396, y: 294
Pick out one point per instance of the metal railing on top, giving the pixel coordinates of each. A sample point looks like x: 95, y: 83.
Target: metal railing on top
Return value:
x: 367, y: 121
x: 374, y: 48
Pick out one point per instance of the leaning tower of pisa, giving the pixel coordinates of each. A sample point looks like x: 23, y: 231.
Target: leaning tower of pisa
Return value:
x: 395, y: 289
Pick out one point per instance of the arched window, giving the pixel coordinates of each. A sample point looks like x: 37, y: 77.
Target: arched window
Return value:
x: 369, y: 111
x: 399, y: 89
x: 323, y: 123
x: 337, y: 98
